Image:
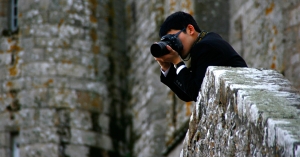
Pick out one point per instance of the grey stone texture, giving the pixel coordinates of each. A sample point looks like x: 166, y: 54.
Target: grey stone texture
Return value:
x: 213, y: 16
x: 54, y: 90
x: 244, y: 112
x: 158, y: 113
x: 266, y: 33
x: 77, y: 78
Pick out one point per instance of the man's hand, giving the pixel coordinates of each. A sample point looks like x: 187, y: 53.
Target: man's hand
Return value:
x: 163, y: 65
x: 166, y: 60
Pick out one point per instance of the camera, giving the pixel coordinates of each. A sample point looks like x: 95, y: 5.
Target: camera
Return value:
x: 159, y: 49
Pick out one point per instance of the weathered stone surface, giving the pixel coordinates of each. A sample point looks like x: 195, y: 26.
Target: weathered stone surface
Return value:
x: 39, y: 149
x: 38, y: 135
x: 152, y: 103
x: 244, y: 112
x: 4, y: 152
x: 86, y: 65
x: 103, y: 122
x: 90, y: 138
x: 77, y: 151
x: 265, y: 33
x: 4, y: 139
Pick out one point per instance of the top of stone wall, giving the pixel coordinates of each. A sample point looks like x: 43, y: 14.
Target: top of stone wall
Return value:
x: 242, y: 112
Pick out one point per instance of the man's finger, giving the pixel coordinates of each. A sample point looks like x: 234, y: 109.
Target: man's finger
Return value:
x: 170, y: 49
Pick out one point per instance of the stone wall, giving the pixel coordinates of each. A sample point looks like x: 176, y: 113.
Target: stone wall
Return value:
x: 77, y: 77
x: 4, y: 14
x: 266, y: 33
x: 157, y: 113
x: 244, y: 112
x: 54, y: 74
x: 213, y: 16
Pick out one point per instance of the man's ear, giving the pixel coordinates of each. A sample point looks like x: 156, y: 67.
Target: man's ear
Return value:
x: 190, y: 29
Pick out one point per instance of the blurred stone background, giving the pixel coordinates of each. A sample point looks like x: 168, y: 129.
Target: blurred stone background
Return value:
x: 77, y: 77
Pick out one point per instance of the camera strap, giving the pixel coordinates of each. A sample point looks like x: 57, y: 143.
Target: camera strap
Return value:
x: 201, y: 35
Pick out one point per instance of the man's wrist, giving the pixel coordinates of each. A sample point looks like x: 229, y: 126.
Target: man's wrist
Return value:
x: 179, y: 64
x: 165, y: 68
x: 179, y: 67
x: 177, y: 61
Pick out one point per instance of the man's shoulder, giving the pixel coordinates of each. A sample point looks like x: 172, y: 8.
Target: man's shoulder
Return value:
x: 210, y: 40
x: 214, y: 44
x: 211, y: 37
x: 213, y: 40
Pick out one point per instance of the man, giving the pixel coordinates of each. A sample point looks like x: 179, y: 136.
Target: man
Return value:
x: 203, y: 48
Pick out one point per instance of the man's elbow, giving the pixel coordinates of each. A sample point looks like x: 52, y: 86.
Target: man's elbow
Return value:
x: 186, y: 98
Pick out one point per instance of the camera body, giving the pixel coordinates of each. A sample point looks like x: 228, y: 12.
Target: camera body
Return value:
x: 159, y: 49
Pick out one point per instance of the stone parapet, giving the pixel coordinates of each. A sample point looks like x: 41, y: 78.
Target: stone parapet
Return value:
x: 244, y: 112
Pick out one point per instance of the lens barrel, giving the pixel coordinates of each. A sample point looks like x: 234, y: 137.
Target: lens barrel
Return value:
x: 159, y: 49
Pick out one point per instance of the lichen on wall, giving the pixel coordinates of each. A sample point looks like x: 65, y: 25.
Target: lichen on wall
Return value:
x: 244, y: 112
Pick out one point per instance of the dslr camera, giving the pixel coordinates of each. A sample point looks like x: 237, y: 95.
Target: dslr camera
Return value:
x: 159, y: 49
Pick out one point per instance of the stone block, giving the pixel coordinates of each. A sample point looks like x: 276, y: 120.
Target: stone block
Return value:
x: 56, y: 17
x: 14, y: 85
x: 245, y: 111
x: 40, y: 149
x: 35, y: 135
x: 33, y: 55
x: 38, y: 69
x: 42, y: 4
x: 103, y: 122
x: 294, y: 16
x: 4, y: 44
x: 28, y: 117
x: 5, y: 59
x: 69, y: 31
x: 47, y: 117
x: 70, y: 56
x: 5, y: 73
x: 27, y: 45
x: 5, y: 100
x: 83, y: 45
x: 38, y: 94
x: 74, y: 70
x: 76, y: 150
x: 5, y: 152
x: 4, y: 139
x: 62, y: 98
x: 33, y: 98
x: 61, y: 69
x: 10, y: 122
x: 90, y: 101
x: 42, y: 42
x: 24, y: 5
x: 81, y: 137
x: 80, y: 119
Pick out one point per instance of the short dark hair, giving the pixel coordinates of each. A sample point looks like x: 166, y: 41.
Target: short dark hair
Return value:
x: 178, y: 20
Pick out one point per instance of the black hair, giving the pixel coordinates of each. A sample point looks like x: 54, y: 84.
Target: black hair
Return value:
x: 178, y: 20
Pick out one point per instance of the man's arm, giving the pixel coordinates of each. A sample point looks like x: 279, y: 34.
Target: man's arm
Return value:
x: 169, y: 81
x: 166, y: 63
x: 190, y: 82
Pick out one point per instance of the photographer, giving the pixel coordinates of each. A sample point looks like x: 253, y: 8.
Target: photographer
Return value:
x: 183, y: 39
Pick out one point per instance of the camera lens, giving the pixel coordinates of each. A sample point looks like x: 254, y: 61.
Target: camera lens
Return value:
x: 159, y: 49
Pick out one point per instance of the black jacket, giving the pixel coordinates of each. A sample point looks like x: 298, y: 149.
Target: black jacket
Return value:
x: 212, y: 50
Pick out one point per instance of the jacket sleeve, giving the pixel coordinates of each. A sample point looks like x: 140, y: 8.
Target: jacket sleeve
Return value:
x: 190, y: 82
x: 169, y: 81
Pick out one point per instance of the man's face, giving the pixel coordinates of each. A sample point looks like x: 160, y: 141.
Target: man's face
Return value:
x: 185, y: 39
